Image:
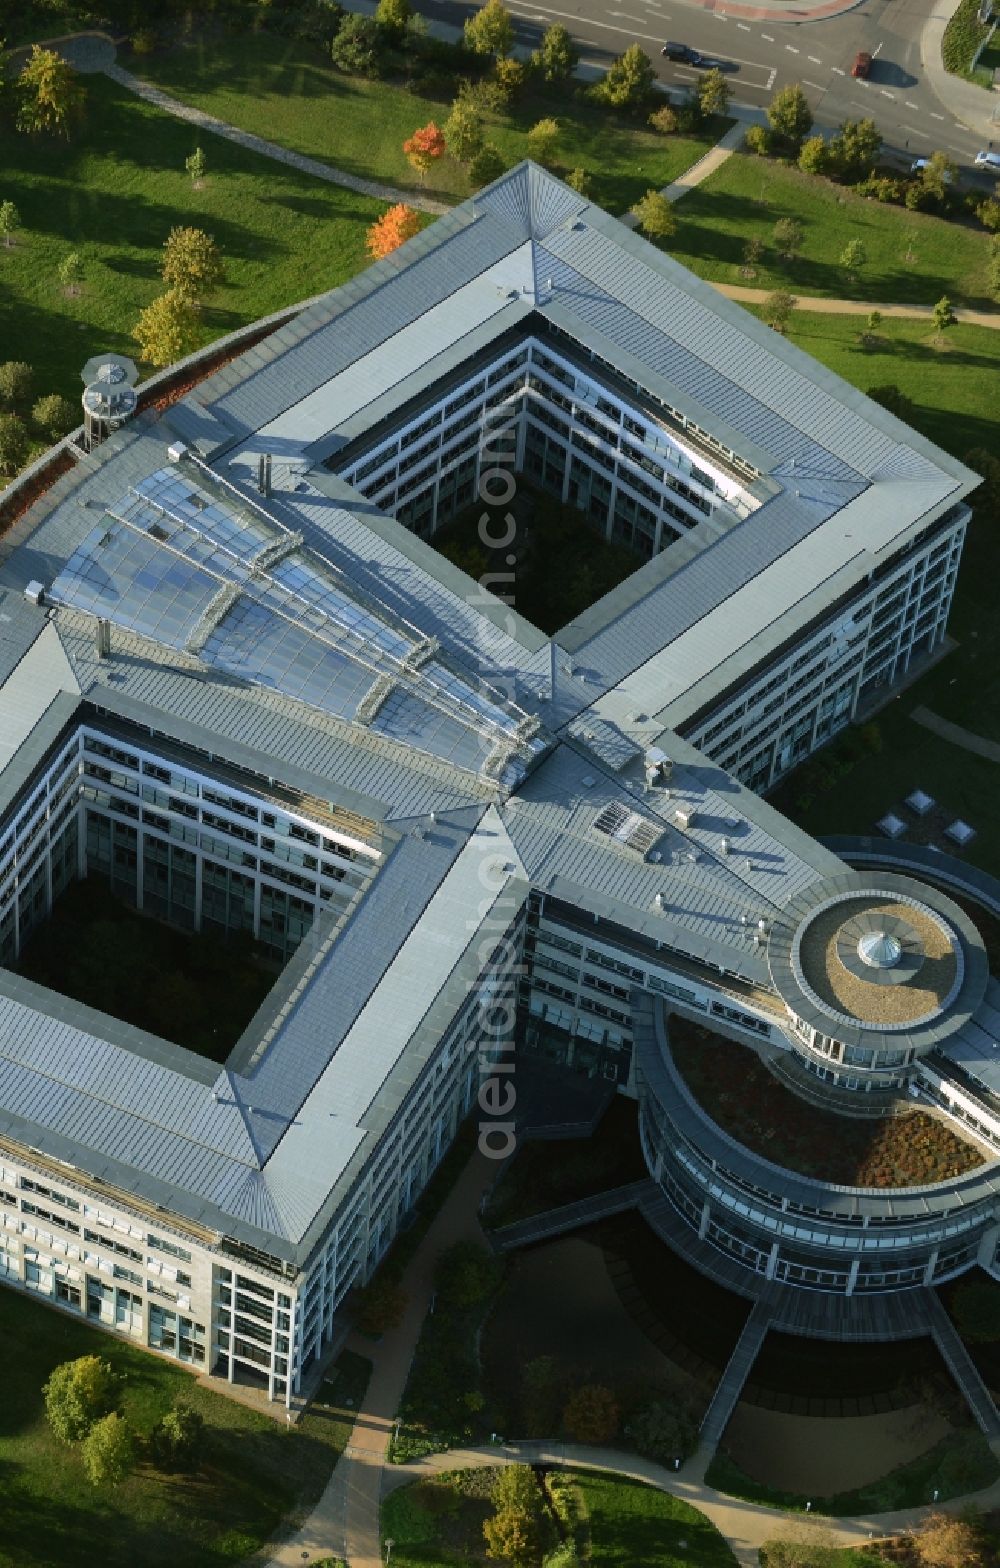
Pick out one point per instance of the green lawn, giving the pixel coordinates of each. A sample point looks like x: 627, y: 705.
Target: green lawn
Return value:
x: 913, y: 257
x: 961, y: 1462
x: 256, y: 1472
x: 623, y: 1524
x: 286, y: 92
x: 113, y: 195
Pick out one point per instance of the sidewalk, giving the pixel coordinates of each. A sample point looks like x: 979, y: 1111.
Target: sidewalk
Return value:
x: 974, y: 107
x: 859, y: 307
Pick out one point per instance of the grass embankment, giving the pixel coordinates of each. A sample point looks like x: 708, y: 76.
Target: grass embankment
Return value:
x: 257, y: 1474
x: 617, y: 1523
x: 962, y: 37
x: 961, y: 1462
x: 288, y: 93
x: 748, y: 1102
x: 113, y: 194
x: 913, y: 257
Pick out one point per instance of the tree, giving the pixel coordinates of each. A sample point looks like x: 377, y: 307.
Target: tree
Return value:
x: 424, y: 146
x: 77, y: 1394
x: 357, y: 46
x: 873, y: 321
x: 55, y: 416
x: 592, y: 1414
x: 949, y: 1542
x: 889, y: 395
x: 556, y: 57
x: 944, y: 314
x: 196, y: 166
x: 753, y: 250
x: 393, y: 15
x: 15, y: 443
x: 630, y: 80
x: 108, y: 1451
x: 463, y: 130
x: 664, y: 119
x: 855, y: 148
x: 167, y: 329
x: 661, y: 1431
x: 713, y: 92
x: 509, y: 77
x: 788, y: 234
x: 394, y: 228
x: 937, y: 174
x: 514, y: 1534
x: 655, y: 216
x: 579, y: 180
x: 977, y: 1301
x: 50, y: 95
x: 789, y: 115
x: 487, y: 166
x: 853, y: 258
x: 466, y: 1274
x: 192, y: 264
x: 758, y: 140
x: 71, y: 272
x: 381, y: 1304
x: 177, y: 1441
x: 814, y: 156
x: 10, y: 219
x: 988, y: 213
x: 777, y: 308
x: 15, y: 381
x: 491, y: 30
x: 542, y: 140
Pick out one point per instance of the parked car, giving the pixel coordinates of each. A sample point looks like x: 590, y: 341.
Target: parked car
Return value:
x: 862, y: 65
x: 683, y: 53
x: 988, y: 160
x: 920, y: 164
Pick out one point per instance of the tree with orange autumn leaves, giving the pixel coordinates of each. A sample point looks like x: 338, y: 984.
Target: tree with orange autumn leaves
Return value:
x: 393, y: 229
x: 424, y: 146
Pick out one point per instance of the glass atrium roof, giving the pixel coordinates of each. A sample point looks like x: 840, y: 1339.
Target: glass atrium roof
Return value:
x: 201, y: 568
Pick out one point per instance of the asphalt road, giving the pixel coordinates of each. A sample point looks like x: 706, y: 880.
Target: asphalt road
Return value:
x: 759, y: 57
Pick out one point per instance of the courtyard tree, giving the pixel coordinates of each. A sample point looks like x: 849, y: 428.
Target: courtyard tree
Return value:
x: 556, y: 57
x: 789, y: 116
x: 50, y: 97
x: 10, y: 221
x: 488, y: 165
x: 944, y: 315
x: 167, y: 329
x: 853, y: 258
x: 108, y: 1451
x: 655, y: 216
x: 466, y: 1274
x: 78, y: 1394
x: 630, y: 80
x: 192, y: 264
x: 177, y: 1441
x: 787, y: 237
x: 777, y: 309
x: 424, y: 147
x: 15, y: 443
x: 55, y: 416
x: 196, y: 167
x: 399, y: 224
x: 16, y: 379
x: 948, y: 1541
x: 463, y: 129
x: 592, y: 1414
x: 71, y: 273
x: 515, y: 1532
x: 713, y: 92
x: 490, y: 30
x: 542, y: 140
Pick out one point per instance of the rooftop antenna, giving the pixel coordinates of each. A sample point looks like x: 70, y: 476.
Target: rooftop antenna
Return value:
x: 264, y: 473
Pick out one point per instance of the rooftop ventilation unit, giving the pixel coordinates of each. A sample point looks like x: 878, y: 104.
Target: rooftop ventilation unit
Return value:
x: 35, y: 592
x: 102, y: 638
x: 724, y: 846
x: 685, y: 817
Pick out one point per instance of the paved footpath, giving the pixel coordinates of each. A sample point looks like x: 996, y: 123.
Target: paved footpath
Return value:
x: 859, y: 307
x: 979, y: 745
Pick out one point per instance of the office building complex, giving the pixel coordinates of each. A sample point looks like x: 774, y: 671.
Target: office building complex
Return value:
x: 238, y: 682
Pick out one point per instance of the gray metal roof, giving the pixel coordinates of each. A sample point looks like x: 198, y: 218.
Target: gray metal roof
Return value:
x: 309, y: 639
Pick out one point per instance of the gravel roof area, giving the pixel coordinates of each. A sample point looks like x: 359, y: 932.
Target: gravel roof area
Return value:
x: 869, y: 1001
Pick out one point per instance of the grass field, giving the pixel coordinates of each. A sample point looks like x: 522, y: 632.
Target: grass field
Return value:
x: 114, y: 194
x: 256, y: 1472
x: 285, y: 91
x: 619, y: 1524
x: 913, y: 257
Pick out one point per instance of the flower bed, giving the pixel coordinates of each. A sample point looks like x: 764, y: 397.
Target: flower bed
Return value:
x: 736, y: 1089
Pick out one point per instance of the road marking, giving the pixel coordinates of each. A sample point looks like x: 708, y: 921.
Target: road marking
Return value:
x: 908, y: 105
x: 936, y: 116
x: 839, y: 72
x: 952, y: 148
x: 817, y: 85
x: 913, y: 130
x: 791, y: 49
x: 770, y: 80
x: 887, y: 95
x: 626, y: 17
x: 574, y: 16
x: 768, y: 37
x: 743, y: 27
x: 814, y: 58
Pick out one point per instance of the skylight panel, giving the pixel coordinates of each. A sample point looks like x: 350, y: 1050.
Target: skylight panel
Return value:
x: 626, y: 828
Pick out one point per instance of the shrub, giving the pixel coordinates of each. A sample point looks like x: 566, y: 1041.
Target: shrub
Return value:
x: 55, y: 416
x: 880, y: 187
x: 757, y: 140
x: 192, y: 264
x: 988, y: 213
x: 918, y: 198
x: 777, y: 308
x: 664, y: 119
x: 488, y: 165
x: 177, y: 1441
x: 579, y: 180
x: 662, y: 1432
x: 108, y: 1451
x: 10, y: 220
x: 890, y: 396
x: 393, y: 15
x: 14, y: 444
x: 630, y: 80
x: 788, y: 238
x: 15, y: 381
x: 962, y: 37
x: 592, y: 1414
x: 542, y: 140
x: 509, y: 77
x: 490, y: 30
x: 77, y: 1394
x: 424, y: 146
x: 143, y: 40
x: 713, y: 92
x: 814, y: 157
x: 358, y: 46
x: 556, y: 57
x: 655, y: 216
x: 463, y: 130
x: 466, y: 1274
x: 854, y: 149
x: 789, y: 116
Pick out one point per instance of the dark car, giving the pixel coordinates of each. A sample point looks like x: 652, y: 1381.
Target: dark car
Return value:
x: 683, y: 53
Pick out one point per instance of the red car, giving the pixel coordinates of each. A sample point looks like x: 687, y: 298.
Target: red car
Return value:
x: 862, y: 65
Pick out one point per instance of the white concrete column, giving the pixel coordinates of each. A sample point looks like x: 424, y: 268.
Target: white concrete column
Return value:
x: 772, y: 1262
x: 706, y: 1215
x: 852, y: 1278
x: 931, y: 1266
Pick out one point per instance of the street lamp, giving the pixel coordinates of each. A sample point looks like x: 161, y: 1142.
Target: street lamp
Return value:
x: 388, y: 1548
